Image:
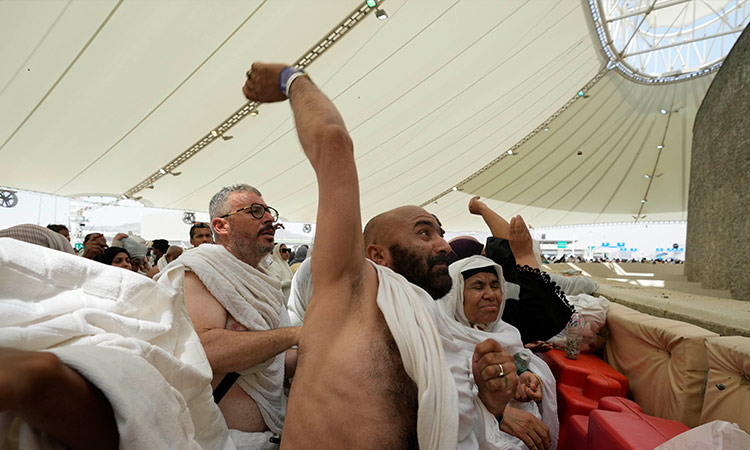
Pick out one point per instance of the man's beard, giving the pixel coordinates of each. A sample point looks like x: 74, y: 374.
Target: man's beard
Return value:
x: 249, y: 250
x: 435, y: 280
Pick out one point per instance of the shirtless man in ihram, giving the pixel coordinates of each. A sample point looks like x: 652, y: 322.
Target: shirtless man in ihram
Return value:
x: 358, y: 383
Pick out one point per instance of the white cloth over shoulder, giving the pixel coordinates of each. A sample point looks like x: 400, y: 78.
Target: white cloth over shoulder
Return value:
x: 301, y: 293
x: 468, y: 335
x: 127, y: 335
x: 253, y: 299
x: 410, y: 321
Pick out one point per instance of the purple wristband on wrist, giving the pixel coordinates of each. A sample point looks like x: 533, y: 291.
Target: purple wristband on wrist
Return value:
x: 286, y: 77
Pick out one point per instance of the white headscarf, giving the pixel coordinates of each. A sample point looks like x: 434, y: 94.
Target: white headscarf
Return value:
x: 453, y: 303
x: 508, y: 336
x: 280, y: 268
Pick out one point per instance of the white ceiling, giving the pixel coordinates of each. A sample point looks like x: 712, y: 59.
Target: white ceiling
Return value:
x: 96, y: 96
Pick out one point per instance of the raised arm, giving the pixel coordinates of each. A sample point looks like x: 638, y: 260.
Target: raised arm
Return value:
x: 498, y: 226
x: 339, y: 248
x: 521, y: 243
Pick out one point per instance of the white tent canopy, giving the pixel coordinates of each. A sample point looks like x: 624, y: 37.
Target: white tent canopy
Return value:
x: 97, y: 96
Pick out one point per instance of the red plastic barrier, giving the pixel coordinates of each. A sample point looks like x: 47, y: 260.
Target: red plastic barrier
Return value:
x: 619, y: 424
x: 578, y: 430
x: 580, y: 384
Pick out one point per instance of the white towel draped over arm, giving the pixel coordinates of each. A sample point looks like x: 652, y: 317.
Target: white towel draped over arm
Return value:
x: 127, y: 335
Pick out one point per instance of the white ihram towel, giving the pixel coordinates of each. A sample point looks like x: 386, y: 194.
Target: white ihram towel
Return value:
x: 405, y: 309
x: 130, y: 337
x: 254, y: 299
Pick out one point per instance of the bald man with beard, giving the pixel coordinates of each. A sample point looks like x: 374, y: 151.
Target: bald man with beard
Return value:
x: 354, y: 386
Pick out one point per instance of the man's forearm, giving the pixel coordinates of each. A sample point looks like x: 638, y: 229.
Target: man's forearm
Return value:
x: 498, y: 226
x: 63, y: 404
x: 315, y: 115
x: 234, y: 351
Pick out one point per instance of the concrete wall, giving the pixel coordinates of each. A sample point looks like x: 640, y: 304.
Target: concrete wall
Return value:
x: 718, y: 230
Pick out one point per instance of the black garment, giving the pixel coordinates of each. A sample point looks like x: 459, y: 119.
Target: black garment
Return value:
x: 542, y: 310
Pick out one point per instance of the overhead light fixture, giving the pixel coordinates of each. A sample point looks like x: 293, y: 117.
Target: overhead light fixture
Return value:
x: 214, y: 133
x: 647, y: 176
x: 546, y: 128
x: 454, y: 188
x: 380, y: 14
x: 510, y: 152
x: 372, y: 3
x: 123, y: 196
x: 162, y: 171
x: 663, y: 111
x: 253, y: 112
x: 643, y: 200
x: 660, y: 146
x: 581, y: 93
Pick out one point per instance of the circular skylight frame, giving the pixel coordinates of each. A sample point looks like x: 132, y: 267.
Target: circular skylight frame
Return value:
x: 651, y: 55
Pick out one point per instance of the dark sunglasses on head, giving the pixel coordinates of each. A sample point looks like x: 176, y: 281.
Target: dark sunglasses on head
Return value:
x: 256, y: 210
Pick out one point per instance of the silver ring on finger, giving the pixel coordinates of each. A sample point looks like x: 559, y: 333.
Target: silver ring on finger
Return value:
x: 502, y: 372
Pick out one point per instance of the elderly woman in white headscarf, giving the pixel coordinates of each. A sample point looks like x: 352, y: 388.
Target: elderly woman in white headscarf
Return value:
x: 475, y: 306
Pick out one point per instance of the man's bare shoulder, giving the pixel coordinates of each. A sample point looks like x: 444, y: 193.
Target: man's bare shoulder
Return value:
x: 205, y: 311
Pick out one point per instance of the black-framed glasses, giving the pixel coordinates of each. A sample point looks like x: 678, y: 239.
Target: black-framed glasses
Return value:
x: 285, y: 250
x: 256, y: 210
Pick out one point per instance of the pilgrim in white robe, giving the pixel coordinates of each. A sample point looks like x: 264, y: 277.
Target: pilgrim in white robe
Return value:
x: 253, y: 298
x: 468, y: 335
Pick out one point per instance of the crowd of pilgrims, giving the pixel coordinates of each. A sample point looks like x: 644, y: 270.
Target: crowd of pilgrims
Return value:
x: 498, y: 289
x: 415, y: 342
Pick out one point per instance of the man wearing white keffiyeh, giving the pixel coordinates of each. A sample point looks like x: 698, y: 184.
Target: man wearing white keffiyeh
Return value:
x: 239, y: 312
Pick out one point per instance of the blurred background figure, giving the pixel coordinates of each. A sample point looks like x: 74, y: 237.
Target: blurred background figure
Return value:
x: 62, y: 229
x: 94, y: 245
x: 279, y: 267
x: 115, y: 256
x: 200, y: 233
x: 299, y: 257
x: 37, y: 234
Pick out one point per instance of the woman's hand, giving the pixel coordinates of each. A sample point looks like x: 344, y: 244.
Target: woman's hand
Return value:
x: 526, y: 427
x: 529, y: 387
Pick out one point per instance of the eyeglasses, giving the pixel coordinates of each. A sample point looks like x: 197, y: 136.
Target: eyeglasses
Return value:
x: 285, y: 250
x: 256, y: 210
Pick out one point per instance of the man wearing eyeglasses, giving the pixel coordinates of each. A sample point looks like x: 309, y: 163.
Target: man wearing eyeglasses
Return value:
x: 239, y: 313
